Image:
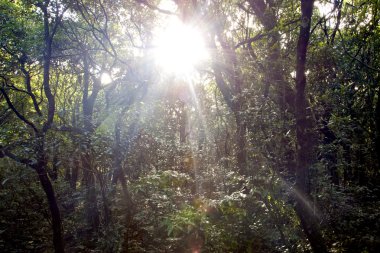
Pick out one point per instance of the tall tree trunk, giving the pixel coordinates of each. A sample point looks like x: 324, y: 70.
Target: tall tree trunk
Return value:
x: 330, y: 155
x: 348, y: 164
x: 41, y: 153
x: 92, y: 211
x: 274, y: 76
x: 241, y: 141
x: 54, y: 209
x: 117, y: 154
x: 91, y: 205
x: 231, y: 90
x: 75, y: 161
x: 305, y: 137
x: 119, y: 175
x: 48, y: 37
x: 75, y: 164
x: 182, y: 114
x: 377, y: 136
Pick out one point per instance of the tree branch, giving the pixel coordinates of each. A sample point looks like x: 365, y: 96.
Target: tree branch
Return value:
x: 153, y: 7
x: 4, y: 152
x: 18, y: 114
x: 250, y: 40
x: 48, y: 40
x: 29, y: 87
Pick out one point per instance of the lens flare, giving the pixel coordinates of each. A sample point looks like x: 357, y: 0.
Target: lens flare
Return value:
x: 179, y: 48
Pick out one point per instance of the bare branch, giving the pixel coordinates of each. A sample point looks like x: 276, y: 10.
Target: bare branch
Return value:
x: 250, y: 40
x: 29, y: 88
x: 18, y: 114
x: 154, y: 7
x: 4, y: 152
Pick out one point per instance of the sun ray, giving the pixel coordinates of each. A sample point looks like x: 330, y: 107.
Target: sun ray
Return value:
x: 179, y: 48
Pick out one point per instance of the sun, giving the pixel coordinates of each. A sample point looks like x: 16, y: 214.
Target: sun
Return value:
x: 179, y: 48
x: 105, y: 78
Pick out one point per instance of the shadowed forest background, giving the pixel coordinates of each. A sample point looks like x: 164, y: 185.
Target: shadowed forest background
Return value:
x: 189, y: 126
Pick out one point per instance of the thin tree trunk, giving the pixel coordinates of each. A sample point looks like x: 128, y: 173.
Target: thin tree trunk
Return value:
x: 182, y: 123
x: 92, y: 211
x: 75, y: 165
x: 89, y: 181
x: 117, y: 155
x: 118, y: 175
x: 241, y: 152
x: 377, y: 136
x: 331, y: 154
x: 231, y: 89
x: 75, y: 161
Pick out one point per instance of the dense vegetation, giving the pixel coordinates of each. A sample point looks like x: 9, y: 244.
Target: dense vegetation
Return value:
x: 271, y: 145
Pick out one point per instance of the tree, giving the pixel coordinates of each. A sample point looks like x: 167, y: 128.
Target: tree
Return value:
x: 37, y: 132
x: 305, y: 138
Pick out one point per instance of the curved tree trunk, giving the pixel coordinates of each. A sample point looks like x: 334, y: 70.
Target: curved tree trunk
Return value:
x: 54, y: 209
x: 41, y: 169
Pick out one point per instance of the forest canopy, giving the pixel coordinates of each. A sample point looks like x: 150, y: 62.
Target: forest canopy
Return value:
x: 189, y: 126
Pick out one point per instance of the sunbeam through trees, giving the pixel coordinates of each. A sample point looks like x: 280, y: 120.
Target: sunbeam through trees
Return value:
x: 190, y: 126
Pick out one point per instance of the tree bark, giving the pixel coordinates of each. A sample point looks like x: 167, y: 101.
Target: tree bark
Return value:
x: 41, y: 153
x: 303, y: 120
x: 46, y: 75
x: 41, y: 169
x: 54, y: 210
x: 377, y: 136
x: 305, y: 137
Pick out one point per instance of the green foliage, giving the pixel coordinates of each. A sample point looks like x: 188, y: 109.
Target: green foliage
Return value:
x: 22, y: 227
